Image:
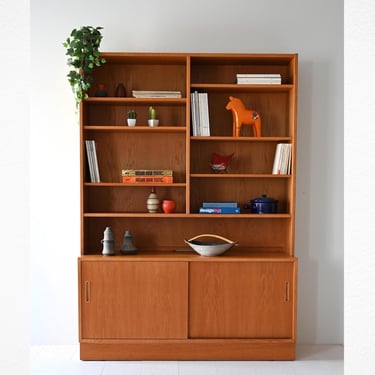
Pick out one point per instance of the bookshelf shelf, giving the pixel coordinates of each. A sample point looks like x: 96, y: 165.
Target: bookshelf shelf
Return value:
x: 239, y: 175
x: 240, y: 139
x: 132, y: 185
x: 132, y: 100
x: 186, y: 216
x: 241, y: 87
x: 136, y: 129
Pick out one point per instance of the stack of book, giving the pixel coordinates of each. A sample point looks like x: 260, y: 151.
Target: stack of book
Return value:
x: 259, y: 79
x: 156, y: 94
x: 134, y: 176
x: 221, y: 207
x: 92, y: 160
x: 283, y: 159
x: 200, y: 114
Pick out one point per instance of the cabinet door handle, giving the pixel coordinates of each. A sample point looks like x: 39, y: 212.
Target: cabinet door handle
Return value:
x: 287, y: 292
x: 87, y: 291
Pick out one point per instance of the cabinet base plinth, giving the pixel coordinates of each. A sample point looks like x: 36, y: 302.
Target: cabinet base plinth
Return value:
x: 197, y: 349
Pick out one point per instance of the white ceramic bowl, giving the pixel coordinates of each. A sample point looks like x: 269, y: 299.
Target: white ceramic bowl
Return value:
x: 209, y: 249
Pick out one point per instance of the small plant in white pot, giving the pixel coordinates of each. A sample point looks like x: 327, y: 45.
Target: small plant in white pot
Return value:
x: 132, y: 117
x: 152, y: 117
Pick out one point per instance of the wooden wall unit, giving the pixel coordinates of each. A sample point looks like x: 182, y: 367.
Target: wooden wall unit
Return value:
x: 168, y: 304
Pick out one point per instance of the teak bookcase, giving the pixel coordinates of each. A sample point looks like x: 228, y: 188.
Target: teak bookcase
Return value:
x: 176, y: 305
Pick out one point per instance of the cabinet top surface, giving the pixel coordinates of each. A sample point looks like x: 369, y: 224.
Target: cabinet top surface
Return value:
x: 190, y: 256
x: 200, y: 57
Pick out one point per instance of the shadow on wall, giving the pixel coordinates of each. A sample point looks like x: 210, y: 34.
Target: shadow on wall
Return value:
x: 317, y: 229
x: 307, y: 268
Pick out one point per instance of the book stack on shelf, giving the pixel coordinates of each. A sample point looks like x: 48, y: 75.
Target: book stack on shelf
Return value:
x: 156, y: 94
x: 259, y: 79
x: 134, y: 176
x: 200, y: 114
x: 92, y: 160
x: 283, y: 159
x: 221, y: 207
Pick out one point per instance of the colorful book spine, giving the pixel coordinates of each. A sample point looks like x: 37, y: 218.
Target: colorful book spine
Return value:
x: 147, y: 179
x: 219, y: 210
x: 147, y: 172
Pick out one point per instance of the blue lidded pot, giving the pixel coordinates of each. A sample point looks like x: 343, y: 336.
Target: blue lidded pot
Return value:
x: 263, y: 205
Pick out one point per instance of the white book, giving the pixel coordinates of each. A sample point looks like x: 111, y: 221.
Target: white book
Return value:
x: 289, y: 171
x: 284, y: 159
x: 277, y: 159
x: 258, y: 75
x: 156, y: 94
x: 195, y: 113
x: 205, y: 115
x: 96, y: 167
x: 193, y: 119
x: 259, y: 81
x: 196, y: 107
x: 200, y: 106
x: 90, y: 160
x: 204, y: 121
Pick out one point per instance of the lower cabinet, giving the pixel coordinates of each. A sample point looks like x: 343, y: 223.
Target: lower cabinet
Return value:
x: 137, y: 300
x: 186, y: 309
x: 241, y: 300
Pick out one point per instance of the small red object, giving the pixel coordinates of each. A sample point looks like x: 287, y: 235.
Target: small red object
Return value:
x: 221, y: 159
x: 168, y: 206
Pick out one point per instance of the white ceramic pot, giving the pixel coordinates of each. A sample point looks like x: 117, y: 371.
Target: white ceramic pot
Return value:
x: 131, y: 121
x: 153, y: 122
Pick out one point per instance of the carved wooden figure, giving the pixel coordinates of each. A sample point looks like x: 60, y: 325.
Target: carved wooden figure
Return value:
x: 243, y: 116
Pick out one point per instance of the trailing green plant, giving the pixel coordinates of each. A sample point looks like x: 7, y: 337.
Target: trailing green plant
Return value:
x: 82, y: 49
x: 152, y: 113
x: 132, y: 114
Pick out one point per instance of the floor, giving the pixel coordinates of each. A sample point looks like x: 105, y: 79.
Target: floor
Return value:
x: 64, y: 360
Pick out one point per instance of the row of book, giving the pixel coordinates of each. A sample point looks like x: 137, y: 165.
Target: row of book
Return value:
x: 258, y: 79
x: 283, y: 159
x: 92, y: 160
x: 156, y: 176
x: 220, y: 207
x: 200, y: 118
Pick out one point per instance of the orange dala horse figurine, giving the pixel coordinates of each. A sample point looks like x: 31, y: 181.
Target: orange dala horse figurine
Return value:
x: 243, y: 116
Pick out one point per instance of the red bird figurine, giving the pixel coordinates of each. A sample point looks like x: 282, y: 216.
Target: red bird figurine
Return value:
x: 219, y: 163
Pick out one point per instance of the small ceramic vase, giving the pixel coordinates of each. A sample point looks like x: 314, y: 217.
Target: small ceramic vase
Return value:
x: 108, y: 242
x: 153, y: 203
x: 101, y: 91
x: 168, y: 206
x: 120, y: 90
x: 128, y: 246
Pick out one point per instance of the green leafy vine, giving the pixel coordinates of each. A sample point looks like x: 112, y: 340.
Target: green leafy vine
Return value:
x: 82, y: 49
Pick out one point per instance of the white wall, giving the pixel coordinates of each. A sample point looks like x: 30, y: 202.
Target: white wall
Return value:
x: 14, y: 185
x: 314, y: 29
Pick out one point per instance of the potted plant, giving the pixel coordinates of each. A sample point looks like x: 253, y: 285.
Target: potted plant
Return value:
x: 152, y: 117
x: 132, y: 117
x: 82, y: 49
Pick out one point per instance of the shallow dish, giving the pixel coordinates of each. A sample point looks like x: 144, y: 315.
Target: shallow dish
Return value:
x: 209, y: 249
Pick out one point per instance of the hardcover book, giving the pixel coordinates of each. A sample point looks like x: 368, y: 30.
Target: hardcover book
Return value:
x: 219, y: 204
x: 147, y: 179
x: 147, y: 172
x: 219, y: 210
